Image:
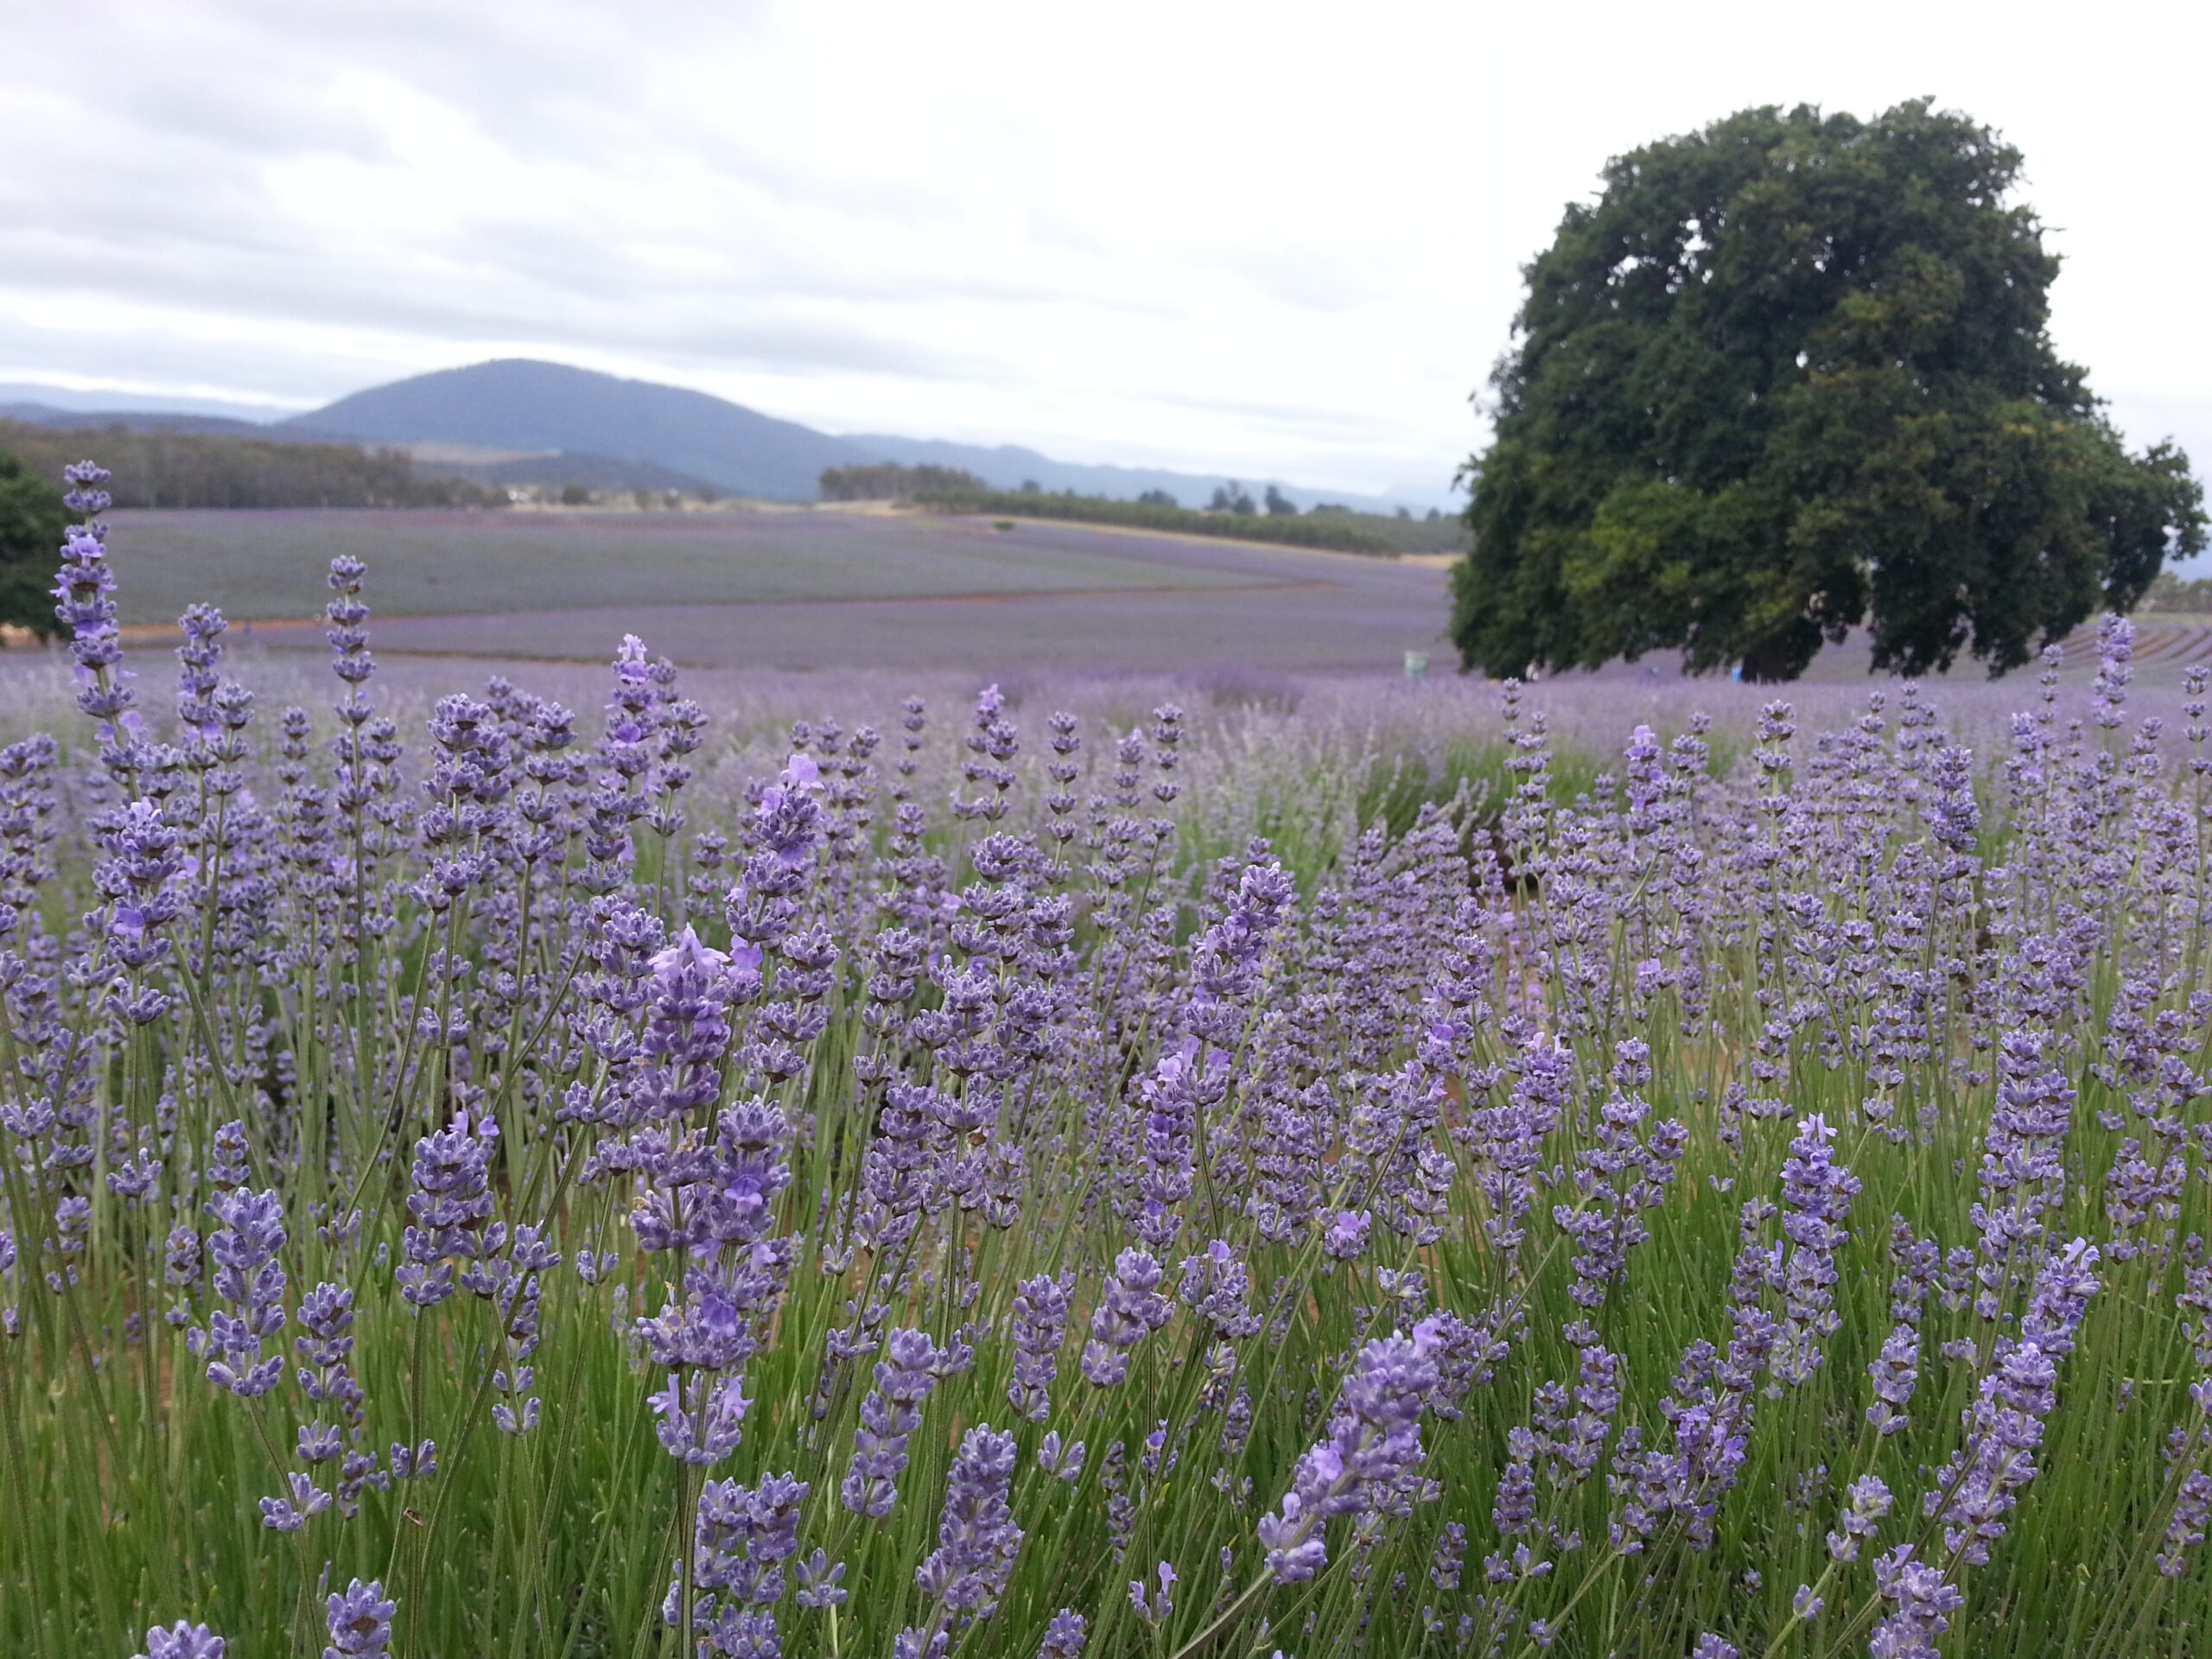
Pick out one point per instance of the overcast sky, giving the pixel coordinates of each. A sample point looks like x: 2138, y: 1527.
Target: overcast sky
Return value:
x: 1272, y: 239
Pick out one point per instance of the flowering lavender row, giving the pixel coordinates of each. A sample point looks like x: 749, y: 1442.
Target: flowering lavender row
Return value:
x: 511, y: 1183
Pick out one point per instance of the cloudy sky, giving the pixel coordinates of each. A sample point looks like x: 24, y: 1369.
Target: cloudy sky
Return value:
x: 1272, y: 239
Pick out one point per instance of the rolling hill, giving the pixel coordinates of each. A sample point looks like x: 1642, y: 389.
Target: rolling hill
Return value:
x: 518, y: 404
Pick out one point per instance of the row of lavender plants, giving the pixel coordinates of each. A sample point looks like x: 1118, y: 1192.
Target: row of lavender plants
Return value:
x: 466, y: 1195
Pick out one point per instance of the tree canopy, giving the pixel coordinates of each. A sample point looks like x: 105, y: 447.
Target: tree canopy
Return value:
x: 32, y: 520
x: 1787, y: 375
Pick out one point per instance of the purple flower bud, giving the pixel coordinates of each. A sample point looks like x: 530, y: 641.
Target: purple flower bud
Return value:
x: 182, y: 1641
x: 1065, y: 1636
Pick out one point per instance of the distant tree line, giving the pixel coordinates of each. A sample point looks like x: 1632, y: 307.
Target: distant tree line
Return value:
x: 194, y: 469
x: 1336, y: 534
x: 2179, y: 594
x: 886, y: 480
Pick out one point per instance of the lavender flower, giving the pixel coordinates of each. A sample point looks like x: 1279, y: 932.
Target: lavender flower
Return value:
x: 1128, y: 1308
x: 976, y: 1538
x: 85, y: 606
x: 1923, y: 1604
x: 820, y: 1582
x: 182, y: 1641
x: 1373, y: 1443
x: 700, y: 1416
x: 249, y: 1276
x: 1507, y: 1141
x: 450, y: 1207
x: 1041, y: 1323
x: 1816, y: 1191
x: 1161, y: 1608
x: 1445, y: 1563
x: 1862, y: 1518
x: 1895, y: 1372
x: 740, y: 1541
x: 1065, y: 1636
x: 1216, y: 1286
x: 1344, y: 1238
x: 2004, y: 1425
x: 892, y: 1411
x: 2186, y: 1527
x: 1061, y: 1463
x: 359, y: 1621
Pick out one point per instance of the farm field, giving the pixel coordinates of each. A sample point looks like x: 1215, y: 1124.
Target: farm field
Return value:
x: 791, y: 590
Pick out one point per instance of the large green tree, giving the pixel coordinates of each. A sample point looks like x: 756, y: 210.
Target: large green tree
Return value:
x: 32, y: 520
x: 1787, y: 375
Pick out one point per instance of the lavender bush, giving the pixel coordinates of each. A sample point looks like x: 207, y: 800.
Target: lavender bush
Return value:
x: 507, y: 1181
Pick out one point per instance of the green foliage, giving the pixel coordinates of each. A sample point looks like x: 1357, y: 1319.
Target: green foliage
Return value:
x: 199, y: 469
x: 1789, y: 374
x: 1339, y: 535
x: 1157, y: 499
x: 1231, y: 498
x: 1280, y: 505
x: 32, y: 519
x: 889, y: 481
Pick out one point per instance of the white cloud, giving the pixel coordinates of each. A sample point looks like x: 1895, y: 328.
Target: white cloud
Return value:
x: 1272, y: 239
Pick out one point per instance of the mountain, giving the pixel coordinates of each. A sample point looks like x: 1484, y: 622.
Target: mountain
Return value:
x: 517, y: 404
x: 1007, y: 467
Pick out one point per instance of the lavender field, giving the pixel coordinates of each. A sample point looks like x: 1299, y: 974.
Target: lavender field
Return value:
x: 793, y: 590
x: 1617, y: 1167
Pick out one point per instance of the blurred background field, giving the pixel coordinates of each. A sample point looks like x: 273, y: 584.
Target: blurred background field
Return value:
x: 792, y: 590
x: 829, y: 592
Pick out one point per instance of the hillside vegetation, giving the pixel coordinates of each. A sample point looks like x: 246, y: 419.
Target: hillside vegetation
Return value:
x: 193, y: 469
x: 1331, y: 528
